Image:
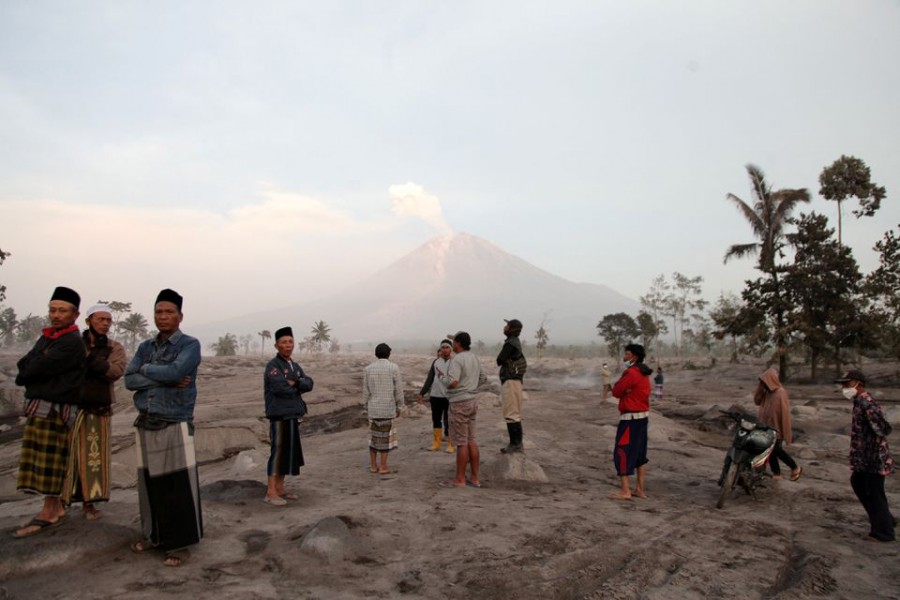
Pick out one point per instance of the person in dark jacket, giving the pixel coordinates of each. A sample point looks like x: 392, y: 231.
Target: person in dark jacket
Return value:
x: 284, y: 384
x: 512, y: 365
x: 52, y: 373
x: 630, y: 452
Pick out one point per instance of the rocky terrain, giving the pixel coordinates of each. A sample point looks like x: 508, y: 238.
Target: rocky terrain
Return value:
x: 541, y: 527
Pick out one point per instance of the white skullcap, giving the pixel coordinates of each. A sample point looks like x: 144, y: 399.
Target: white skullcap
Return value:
x: 99, y: 308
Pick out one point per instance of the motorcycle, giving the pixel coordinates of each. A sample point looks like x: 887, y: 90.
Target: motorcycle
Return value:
x: 745, y: 462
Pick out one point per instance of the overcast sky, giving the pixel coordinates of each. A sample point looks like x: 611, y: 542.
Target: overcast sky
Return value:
x: 256, y: 155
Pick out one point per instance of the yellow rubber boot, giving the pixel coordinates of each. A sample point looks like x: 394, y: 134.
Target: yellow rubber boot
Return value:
x: 436, y: 444
x: 450, y: 447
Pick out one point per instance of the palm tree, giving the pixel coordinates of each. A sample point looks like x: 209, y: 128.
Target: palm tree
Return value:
x: 768, y: 215
x: 321, y: 334
x: 265, y: 334
x: 136, y: 326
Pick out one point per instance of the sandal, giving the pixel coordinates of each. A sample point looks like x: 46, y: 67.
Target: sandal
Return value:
x: 41, y: 525
x: 797, y: 476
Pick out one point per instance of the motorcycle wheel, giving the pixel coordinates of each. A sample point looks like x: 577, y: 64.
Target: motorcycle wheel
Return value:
x: 727, y: 486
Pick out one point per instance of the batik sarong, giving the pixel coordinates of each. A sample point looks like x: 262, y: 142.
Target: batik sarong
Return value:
x: 87, y: 470
x: 169, y: 486
x: 42, y: 460
x: 383, y: 435
x: 286, y: 456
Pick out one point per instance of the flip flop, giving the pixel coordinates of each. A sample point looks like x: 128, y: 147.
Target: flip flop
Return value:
x: 41, y: 525
x: 276, y: 501
x: 450, y: 484
x: 473, y: 484
x: 797, y: 476
x: 290, y: 496
x: 388, y: 472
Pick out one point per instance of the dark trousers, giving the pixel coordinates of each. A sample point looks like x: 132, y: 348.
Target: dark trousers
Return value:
x: 869, y: 488
x: 439, y: 416
x: 779, y: 453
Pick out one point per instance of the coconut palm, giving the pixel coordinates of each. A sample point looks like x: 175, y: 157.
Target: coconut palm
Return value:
x: 265, y: 334
x: 321, y: 334
x: 136, y: 326
x: 768, y: 215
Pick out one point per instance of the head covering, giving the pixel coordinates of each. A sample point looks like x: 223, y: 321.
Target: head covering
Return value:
x: 446, y: 342
x: 172, y: 296
x: 515, y: 326
x: 382, y: 350
x: 66, y: 295
x: 637, y: 350
x: 852, y: 374
x: 283, y: 332
x: 464, y: 339
x: 98, y: 308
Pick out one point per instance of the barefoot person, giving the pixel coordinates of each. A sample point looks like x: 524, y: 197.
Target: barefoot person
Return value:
x: 870, y: 457
x: 512, y: 363
x: 284, y: 383
x: 52, y: 373
x: 437, y: 396
x: 163, y: 377
x: 462, y: 380
x: 630, y: 452
x: 775, y: 411
x: 87, y: 470
x: 383, y: 397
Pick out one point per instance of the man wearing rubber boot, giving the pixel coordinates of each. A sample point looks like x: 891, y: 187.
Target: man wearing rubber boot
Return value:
x: 437, y: 394
x: 512, y: 365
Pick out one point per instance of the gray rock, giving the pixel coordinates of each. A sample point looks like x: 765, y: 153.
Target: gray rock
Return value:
x: 329, y: 540
x: 518, y: 467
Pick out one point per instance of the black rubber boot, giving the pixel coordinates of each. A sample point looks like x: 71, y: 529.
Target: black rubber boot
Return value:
x: 510, y: 428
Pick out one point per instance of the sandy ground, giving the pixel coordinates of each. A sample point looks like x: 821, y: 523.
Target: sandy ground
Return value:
x: 402, y: 536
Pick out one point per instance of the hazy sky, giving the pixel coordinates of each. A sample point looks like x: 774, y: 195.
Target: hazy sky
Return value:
x: 256, y: 155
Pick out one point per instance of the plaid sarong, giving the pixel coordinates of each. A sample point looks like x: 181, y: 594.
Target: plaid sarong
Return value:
x: 169, y: 486
x: 286, y: 456
x: 383, y: 435
x: 42, y: 460
x: 87, y: 470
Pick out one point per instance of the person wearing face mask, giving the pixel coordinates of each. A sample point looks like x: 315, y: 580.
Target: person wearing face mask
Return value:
x: 870, y: 456
x: 775, y: 411
x: 630, y: 451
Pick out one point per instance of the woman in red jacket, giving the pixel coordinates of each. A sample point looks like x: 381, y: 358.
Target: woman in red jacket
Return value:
x: 630, y: 452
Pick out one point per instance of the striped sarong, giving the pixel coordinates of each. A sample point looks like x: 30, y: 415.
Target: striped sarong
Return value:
x: 87, y: 469
x: 286, y: 456
x: 42, y: 460
x: 383, y: 435
x: 169, y: 486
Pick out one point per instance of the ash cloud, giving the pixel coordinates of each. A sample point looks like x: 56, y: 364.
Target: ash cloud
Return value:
x: 412, y: 199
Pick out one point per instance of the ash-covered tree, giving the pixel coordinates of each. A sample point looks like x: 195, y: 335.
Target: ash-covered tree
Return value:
x: 226, y: 345
x: 117, y: 308
x: 136, y: 326
x: 542, y: 336
x: 728, y: 320
x: 8, y: 324
x: 654, y: 304
x: 648, y: 330
x: 681, y: 304
x: 244, y: 341
x: 264, y: 335
x: 822, y: 287
x: 29, y: 328
x: 882, y: 287
x: 3, y: 257
x: 335, y: 346
x: 850, y: 177
x: 617, y: 329
x: 768, y: 215
x: 321, y: 334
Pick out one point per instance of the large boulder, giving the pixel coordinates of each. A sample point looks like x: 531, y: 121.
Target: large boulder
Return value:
x: 330, y: 540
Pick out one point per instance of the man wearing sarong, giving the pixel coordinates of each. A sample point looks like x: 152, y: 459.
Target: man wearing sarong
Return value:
x: 163, y: 377
x: 383, y: 397
x: 283, y: 385
x: 52, y: 373
x: 87, y: 470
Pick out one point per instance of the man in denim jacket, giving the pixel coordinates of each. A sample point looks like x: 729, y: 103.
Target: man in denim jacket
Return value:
x: 163, y: 377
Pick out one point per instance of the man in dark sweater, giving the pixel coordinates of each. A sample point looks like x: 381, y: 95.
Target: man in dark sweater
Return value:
x: 52, y: 373
x: 512, y: 365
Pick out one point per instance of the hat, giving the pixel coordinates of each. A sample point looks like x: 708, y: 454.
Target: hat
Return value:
x: 382, y: 350
x: 515, y: 325
x: 283, y: 332
x: 172, y: 296
x: 637, y: 350
x: 854, y: 374
x: 446, y: 342
x: 66, y: 295
x: 98, y: 308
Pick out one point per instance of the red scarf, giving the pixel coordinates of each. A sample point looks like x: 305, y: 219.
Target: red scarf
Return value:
x: 53, y: 333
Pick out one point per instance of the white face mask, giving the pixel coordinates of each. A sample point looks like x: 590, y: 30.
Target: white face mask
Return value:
x: 849, y: 393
